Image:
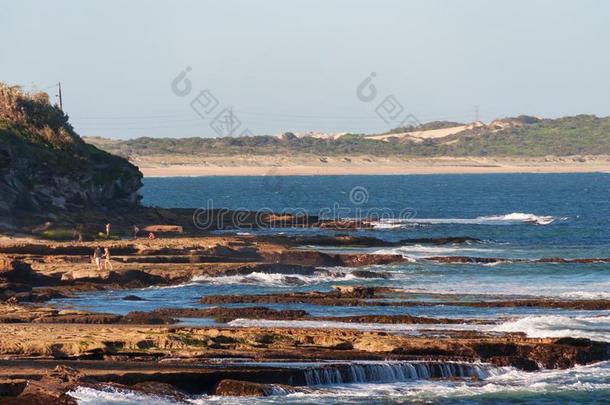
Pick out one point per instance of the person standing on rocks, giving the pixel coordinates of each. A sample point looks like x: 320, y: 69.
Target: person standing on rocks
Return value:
x: 107, y: 230
x: 135, y: 231
x: 107, y: 262
x: 78, y: 233
x: 97, y: 257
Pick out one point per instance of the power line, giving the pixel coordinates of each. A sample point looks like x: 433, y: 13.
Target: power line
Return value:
x: 231, y: 121
x: 33, y: 87
x: 151, y: 123
x: 142, y: 125
x: 275, y: 116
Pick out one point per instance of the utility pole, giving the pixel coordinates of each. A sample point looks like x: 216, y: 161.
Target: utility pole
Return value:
x: 61, y: 104
x: 231, y: 121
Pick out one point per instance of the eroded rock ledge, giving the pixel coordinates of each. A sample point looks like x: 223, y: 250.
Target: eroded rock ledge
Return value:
x: 32, y: 270
x: 141, y: 354
x: 374, y: 297
x: 48, y: 351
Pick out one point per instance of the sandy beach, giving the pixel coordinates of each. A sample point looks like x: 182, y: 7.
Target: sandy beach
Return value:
x: 170, y: 166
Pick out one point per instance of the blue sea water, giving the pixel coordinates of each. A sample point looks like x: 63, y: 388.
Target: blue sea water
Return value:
x: 515, y: 216
x: 578, y: 202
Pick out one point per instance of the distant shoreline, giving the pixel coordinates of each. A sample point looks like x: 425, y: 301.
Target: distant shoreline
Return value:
x: 382, y: 166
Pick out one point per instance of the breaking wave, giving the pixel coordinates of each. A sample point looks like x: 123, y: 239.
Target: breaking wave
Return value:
x: 519, y: 217
x: 587, y: 295
x: 591, y: 327
x: 115, y: 396
x: 413, y: 252
x: 504, y: 219
x: 286, y: 280
x: 548, y: 326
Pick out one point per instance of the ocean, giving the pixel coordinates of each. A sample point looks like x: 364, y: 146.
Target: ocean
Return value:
x: 513, y: 219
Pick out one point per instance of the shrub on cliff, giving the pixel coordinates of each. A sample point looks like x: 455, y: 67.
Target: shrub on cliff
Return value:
x: 45, y: 166
x: 45, y: 123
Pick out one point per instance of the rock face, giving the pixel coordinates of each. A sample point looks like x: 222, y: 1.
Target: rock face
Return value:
x: 58, y: 349
x: 12, y: 388
x: 243, y: 388
x: 45, y: 167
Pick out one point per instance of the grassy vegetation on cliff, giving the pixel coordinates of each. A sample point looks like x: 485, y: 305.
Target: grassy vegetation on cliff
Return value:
x: 582, y: 134
x: 45, y: 165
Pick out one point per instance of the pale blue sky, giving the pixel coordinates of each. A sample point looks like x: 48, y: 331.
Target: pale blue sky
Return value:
x: 295, y: 65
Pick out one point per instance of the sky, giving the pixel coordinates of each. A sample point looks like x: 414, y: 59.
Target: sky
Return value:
x: 271, y: 66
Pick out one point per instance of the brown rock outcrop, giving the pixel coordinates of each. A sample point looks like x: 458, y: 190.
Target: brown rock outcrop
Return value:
x: 228, y: 314
x: 313, y: 258
x: 368, y: 241
x: 12, y: 388
x: 245, y: 388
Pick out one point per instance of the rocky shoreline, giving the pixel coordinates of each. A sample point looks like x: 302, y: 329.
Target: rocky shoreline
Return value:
x: 47, y: 351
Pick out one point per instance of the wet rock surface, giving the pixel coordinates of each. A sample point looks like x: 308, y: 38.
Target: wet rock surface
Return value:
x: 367, y: 241
x: 373, y: 297
x: 224, y: 315
x: 132, y: 298
x: 494, y: 260
x: 245, y: 388
x: 60, y: 268
x: 56, y: 349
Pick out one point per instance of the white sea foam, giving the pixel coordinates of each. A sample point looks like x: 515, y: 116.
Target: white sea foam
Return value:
x: 511, y: 382
x: 494, y: 264
x: 387, y: 225
x: 587, y: 295
x: 503, y: 219
x: 414, y: 252
x: 499, y: 284
x: 114, y: 396
x: 280, y: 280
x: 519, y: 217
x: 589, y: 379
x: 412, y: 328
x: 592, y: 327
